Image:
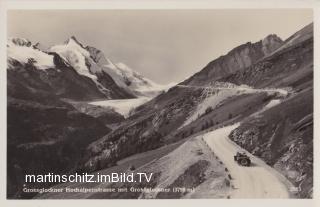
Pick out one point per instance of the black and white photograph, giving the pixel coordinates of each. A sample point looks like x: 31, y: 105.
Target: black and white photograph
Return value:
x: 160, y: 104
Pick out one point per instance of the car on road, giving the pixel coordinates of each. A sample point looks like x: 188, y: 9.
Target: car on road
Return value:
x: 242, y: 159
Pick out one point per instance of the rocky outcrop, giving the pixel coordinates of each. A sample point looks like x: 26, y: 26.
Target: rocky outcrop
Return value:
x: 19, y: 42
x: 271, y: 43
x: 289, y: 67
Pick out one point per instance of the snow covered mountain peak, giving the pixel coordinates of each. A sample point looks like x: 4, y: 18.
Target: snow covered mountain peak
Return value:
x: 87, y: 61
x: 73, y: 52
x: 18, y: 42
x: 73, y: 40
x: 92, y: 62
x: 22, y: 50
x: 124, y: 76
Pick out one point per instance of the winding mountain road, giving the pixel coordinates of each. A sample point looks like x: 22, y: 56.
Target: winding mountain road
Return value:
x: 283, y: 92
x: 257, y: 181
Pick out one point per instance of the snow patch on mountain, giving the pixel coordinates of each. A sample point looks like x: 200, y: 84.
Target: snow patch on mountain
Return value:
x: 21, y: 50
x: 75, y: 55
x: 271, y: 104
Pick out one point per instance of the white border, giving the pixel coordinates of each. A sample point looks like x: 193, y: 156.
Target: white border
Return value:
x: 152, y: 4
x: 158, y: 4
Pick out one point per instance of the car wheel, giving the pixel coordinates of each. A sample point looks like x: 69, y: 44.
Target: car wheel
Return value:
x: 244, y: 162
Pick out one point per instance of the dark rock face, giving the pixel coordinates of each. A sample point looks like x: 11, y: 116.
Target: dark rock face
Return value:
x: 237, y: 59
x: 45, y: 134
x: 45, y: 138
x: 21, y: 42
x: 95, y: 54
x: 116, y: 91
x: 271, y: 43
x: 97, y: 67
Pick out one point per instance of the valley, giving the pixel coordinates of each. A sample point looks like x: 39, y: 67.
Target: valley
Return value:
x: 71, y: 109
x: 122, y: 106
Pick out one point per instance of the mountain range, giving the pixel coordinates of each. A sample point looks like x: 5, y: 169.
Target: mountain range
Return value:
x: 71, y: 70
x: 266, y: 87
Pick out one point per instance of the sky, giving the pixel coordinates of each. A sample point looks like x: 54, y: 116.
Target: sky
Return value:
x: 163, y: 45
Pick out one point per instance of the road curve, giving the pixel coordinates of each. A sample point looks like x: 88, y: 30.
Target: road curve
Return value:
x: 256, y: 181
x: 239, y: 88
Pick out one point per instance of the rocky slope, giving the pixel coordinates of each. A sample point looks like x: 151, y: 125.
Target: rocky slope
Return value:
x: 283, y: 137
x: 237, y: 59
x: 141, y: 132
x: 291, y: 67
x: 189, y: 165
